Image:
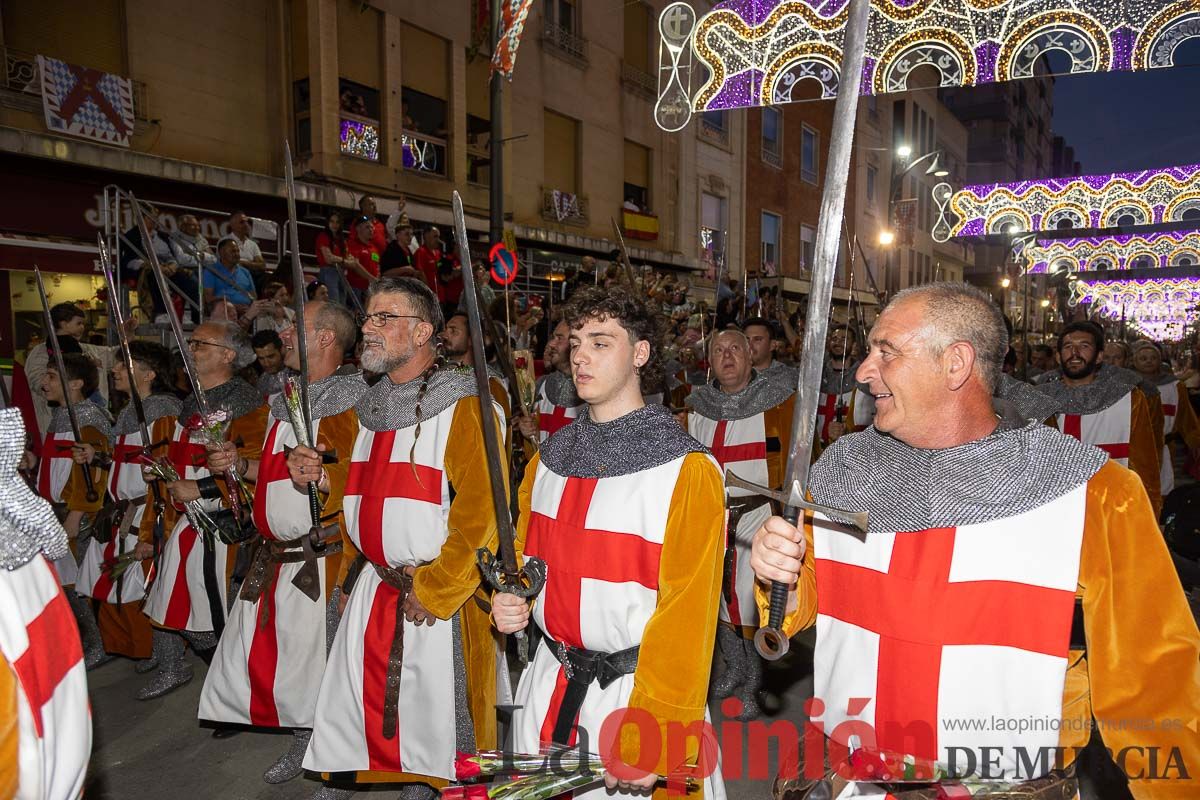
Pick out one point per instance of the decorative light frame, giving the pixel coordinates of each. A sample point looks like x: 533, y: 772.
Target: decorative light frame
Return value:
x: 1161, y: 308
x: 1090, y: 253
x: 754, y: 52
x: 359, y: 139
x: 1152, y: 196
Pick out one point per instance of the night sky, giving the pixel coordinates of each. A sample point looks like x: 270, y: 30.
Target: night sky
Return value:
x: 1126, y: 121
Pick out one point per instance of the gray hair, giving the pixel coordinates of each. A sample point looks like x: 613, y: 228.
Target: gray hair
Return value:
x: 339, y: 319
x: 237, y: 340
x: 960, y: 312
x: 424, y: 301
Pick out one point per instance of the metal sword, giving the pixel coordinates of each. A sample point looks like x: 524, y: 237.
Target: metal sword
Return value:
x: 770, y: 640
x: 503, y: 573
x: 624, y: 255
x: 64, y: 381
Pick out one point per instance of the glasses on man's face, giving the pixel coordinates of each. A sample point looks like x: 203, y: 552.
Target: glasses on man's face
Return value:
x: 195, y: 344
x: 380, y: 319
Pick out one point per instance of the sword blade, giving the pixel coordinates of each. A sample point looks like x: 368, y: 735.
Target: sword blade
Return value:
x: 118, y: 316
x: 297, y: 288
x: 491, y: 441
x: 624, y: 253
x: 855, y: 520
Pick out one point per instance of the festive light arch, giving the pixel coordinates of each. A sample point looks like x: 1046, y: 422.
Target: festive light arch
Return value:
x: 1164, y: 194
x: 1087, y: 254
x: 1165, y: 309
x: 737, y: 54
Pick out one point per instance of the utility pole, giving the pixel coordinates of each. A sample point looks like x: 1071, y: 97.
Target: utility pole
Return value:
x: 495, y: 145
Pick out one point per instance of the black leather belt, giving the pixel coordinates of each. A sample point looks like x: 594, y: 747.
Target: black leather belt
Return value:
x: 582, y: 667
x: 391, y: 696
x: 737, y: 509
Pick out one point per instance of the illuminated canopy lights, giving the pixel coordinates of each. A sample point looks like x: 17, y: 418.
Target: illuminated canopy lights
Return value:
x: 1169, y: 194
x: 1124, y: 251
x: 756, y: 52
x: 1161, y: 308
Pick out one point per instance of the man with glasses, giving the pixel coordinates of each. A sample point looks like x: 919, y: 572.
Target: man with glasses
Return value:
x: 411, y: 676
x: 187, y: 600
x: 1105, y: 406
x: 268, y: 665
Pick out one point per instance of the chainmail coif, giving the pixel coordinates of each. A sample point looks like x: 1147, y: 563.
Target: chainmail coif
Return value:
x: 156, y: 406
x: 388, y: 406
x: 761, y: 393
x: 1111, y: 384
x: 642, y: 439
x: 89, y: 415
x: 235, y: 396
x: 1020, y: 466
x: 560, y: 390
x: 28, y: 525
x: 328, y: 397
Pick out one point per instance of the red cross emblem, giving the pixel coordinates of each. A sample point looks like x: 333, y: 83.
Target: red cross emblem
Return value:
x: 53, y: 449
x: 916, y: 611
x: 377, y: 479
x: 123, y: 454
x: 550, y: 424
x: 87, y: 87
x: 828, y: 412
x: 272, y: 467
x: 54, y: 649
x: 729, y: 454
x: 1073, y: 426
x: 184, y: 453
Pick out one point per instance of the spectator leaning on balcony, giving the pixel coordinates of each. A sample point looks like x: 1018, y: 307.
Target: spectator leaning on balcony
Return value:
x: 249, y: 254
x: 132, y: 263
x: 227, y: 278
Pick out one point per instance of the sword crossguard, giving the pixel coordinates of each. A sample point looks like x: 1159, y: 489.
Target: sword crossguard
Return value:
x: 527, y: 582
x: 852, y: 522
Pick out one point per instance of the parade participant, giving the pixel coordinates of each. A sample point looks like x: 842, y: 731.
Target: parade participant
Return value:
x: 841, y: 395
x: 118, y: 533
x: 62, y: 482
x: 456, y: 347
x: 1179, y: 418
x: 269, y: 662
x: 188, y: 598
x: 764, y: 346
x: 557, y: 402
x: 1105, y: 406
x: 45, y: 715
x: 989, y: 534
x: 626, y: 510
x: 744, y: 418
x: 411, y: 676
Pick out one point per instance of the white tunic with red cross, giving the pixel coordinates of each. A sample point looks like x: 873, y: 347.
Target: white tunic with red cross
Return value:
x: 1108, y: 429
x: 925, y: 639
x: 396, y: 512
x: 601, y: 540
x: 268, y: 665
x: 552, y: 417
x: 178, y: 599
x: 858, y: 411
x: 125, y: 482
x: 54, y: 471
x: 740, y: 447
x: 40, y: 641
x: 1169, y: 393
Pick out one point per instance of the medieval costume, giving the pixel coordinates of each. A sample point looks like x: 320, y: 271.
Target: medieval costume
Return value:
x: 746, y: 432
x: 557, y: 403
x: 268, y: 665
x: 189, y: 592
x: 399, y: 698
x: 124, y: 629
x: 628, y: 517
x: 842, y: 396
x: 45, y: 717
x: 1007, y: 578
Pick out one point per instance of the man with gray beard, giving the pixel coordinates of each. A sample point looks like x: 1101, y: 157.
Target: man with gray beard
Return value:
x: 411, y: 677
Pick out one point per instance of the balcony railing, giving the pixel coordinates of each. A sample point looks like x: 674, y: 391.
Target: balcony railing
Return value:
x: 568, y: 210
x: 423, y: 153
x: 638, y: 81
x: 772, y: 158
x: 712, y: 131
x: 21, y: 77
x: 566, y: 43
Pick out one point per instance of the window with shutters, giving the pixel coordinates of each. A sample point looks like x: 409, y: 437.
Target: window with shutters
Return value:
x: 809, y: 154
x: 772, y: 137
x: 637, y: 177
x: 772, y: 224
x: 636, y: 73
x: 712, y: 222
x: 479, y: 116
x: 424, y: 100
x: 808, y: 240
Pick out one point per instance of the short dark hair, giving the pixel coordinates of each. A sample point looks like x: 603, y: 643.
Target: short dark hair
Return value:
x: 266, y: 337
x: 1086, y: 326
x: 81, y: 368
x: 62, y: 313
x: 631, y: 312
x: 460, y: 313
x: 1043, y: 349
x: 424, y: 301
x: 761, y: 322
x: 153, y: 356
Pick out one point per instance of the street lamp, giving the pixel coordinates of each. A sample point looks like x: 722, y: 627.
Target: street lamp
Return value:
x: 903, y: 152
x: 886, y: 237
x: 1005, y: 282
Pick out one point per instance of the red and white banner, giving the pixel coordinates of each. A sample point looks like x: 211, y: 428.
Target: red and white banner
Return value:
x: 85, y: 102
x: 512, y: 25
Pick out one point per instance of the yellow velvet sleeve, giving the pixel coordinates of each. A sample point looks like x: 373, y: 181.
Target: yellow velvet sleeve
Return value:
x: 1186, y: 424
x: 778, y: 424
x: 249, y: 431
x: 74, y: 493
x: 444, y: 584
x: 525, y: 504
x: 10, y: 734
x: 671, y: 679
x: 500, y: 395
x: 802, y: 600
x: 160, y: 431
x: 1145, y: 451
x: 1143, y: 659
x: 337, y: 433
x: 1158, y: 422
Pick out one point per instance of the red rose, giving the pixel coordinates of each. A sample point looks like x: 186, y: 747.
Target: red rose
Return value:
x: 471, y: 792
x: 465, y: 767
x: 521, y: 362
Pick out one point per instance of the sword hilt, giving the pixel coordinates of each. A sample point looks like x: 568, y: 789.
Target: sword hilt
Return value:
x: 525, y: 582
x: 770, y: 642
